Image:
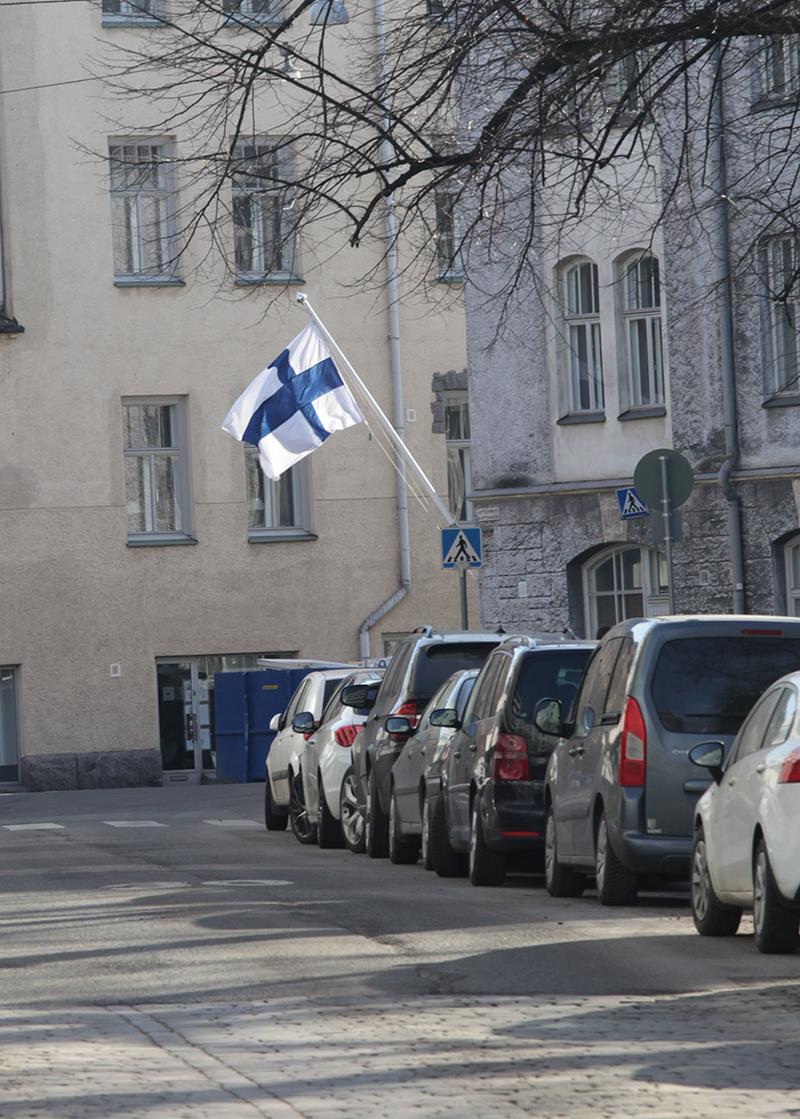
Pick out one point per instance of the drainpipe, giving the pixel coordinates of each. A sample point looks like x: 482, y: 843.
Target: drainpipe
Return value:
x: 723, y: 283
x: 395, y: 366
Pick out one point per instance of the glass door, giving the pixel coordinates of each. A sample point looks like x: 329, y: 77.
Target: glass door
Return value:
x: 9, y: 745
x: 183, y: 720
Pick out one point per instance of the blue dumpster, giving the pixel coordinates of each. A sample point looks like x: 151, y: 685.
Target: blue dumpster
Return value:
x: 244, y: 704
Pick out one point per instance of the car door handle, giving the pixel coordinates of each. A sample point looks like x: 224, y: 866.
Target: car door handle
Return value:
x: 473, y: 747
x: 422, y: 751
x: 761, y: 768
x: 731, y: 780
x: 456, y: 753
x: 576, y: 751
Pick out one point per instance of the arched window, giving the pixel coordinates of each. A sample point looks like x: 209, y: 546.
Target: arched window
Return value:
x: 791, y: 558
x: 584, y: 348
x: 641, y: 325
x: 624, y: 582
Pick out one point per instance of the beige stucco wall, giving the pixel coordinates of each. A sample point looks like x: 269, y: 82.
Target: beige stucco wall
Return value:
x: 75, y: 598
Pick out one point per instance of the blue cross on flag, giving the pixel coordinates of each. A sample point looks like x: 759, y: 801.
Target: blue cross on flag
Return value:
x: 293, y: 405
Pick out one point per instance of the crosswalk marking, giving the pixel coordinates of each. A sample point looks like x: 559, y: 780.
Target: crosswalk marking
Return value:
x: 237, y: 823
x: 32, y: 827
x: 134, y: 824
x: 234, y: 823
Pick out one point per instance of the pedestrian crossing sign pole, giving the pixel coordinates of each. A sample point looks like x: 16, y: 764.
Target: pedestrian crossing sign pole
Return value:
x: 462, y: 550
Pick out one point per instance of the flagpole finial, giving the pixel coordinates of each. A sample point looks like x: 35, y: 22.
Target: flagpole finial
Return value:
x: 301, y: 297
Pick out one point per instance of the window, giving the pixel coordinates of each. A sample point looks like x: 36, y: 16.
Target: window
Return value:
x: 783, y: 289
x: 581, y: 304
x: 130, y: 11
x: 156, y: 484
x: 627, y: 84
x: 281, y: 508
x: 641, y: 314
x: 141, y: 211
x: 9, y: 743
x: 448, y: 239
x: 782, y: 721
x: 264, y: 243
x: 328, y: 12
x: 459, y: 465
x: 624, y: 583
x: 780, y: 67
x: 254, y: 11
x: 438, y: 10
x: 792, y: 564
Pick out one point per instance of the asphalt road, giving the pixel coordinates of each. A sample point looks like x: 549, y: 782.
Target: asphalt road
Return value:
x: 159, y: 911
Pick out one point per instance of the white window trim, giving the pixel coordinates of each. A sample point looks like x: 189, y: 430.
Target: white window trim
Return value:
x: 792, y: 592
x: 459, y: 397
x: 768, y: 92
x: 169, y: 275
x: 773, y: 386
x: 134, y: 16
x: 450, y: 265
x: 655, y: 601
x: 243, y: 14
x: 629, y: 390
x: 183, y: 487
x: 568, y: 357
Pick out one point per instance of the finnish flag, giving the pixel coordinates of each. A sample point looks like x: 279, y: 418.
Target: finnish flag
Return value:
x: 293, y: 405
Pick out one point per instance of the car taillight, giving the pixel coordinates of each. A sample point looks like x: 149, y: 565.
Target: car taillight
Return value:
x: 510, y: 758
x: 790, y: 770
x: 345, y: 736
x: 409, y: 710
x: 632, y: 747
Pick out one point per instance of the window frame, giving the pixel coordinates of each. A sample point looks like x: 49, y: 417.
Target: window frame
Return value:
x: 459, y: 449
x: 179, y: 426
x: 167, y: 232
x: 450, y: 262
x: 783, y: 390
x: 152, y: 18
x: 589, y: 322
x: 651, y: 589
x: 281, y: 149
x: 631, y: 398
x: 792, y: 589
x: 233, y: 14
x: 767, y: 93
x: 300, y: 479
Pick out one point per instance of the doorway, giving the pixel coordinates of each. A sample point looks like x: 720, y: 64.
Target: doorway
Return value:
x: 9, y: 738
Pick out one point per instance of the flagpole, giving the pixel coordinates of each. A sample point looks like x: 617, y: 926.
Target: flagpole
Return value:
x: 397, y: 442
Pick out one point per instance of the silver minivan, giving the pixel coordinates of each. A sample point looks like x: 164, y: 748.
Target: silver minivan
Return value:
x: 620, y: 790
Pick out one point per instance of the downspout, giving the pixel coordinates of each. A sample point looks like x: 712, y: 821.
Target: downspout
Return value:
x: 395, y: 365
x: 727, y: 354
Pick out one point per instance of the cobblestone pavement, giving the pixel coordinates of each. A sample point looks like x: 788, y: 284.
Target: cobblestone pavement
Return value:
x: 714, y: 1055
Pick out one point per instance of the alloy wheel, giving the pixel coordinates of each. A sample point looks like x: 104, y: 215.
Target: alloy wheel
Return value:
x: 701, y: 882
x: 352, y: 820
x: 426, y: 831
x: 602, y: 855
x: 549, y: 849
x: 298, y: 813
x: 759, y: 891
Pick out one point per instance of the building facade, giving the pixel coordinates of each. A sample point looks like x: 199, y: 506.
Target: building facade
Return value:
x: 625, y: 338
x: 141, y: 548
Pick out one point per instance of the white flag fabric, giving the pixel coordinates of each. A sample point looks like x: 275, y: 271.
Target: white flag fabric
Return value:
x: 293, y: 405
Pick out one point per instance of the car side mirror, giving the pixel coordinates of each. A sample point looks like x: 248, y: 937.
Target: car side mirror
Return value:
x: 275, y: 721
x: 399, y: 728
x: 304, y: 723
x: 710, y: 756
x: 360, y: 696
x: 547, y: 716
x: 445, y: 717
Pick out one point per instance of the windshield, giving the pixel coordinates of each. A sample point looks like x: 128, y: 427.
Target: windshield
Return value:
x: 707, y: 685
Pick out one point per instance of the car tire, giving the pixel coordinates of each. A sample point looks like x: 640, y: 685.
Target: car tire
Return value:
x: 425, y: 844
x: 350, y: 815
x: 446, y: 862
x: 376, y: 823
x: 402, y: 852
x: 776, y: 926
x: 710, y: 916
x: 329, y: 830
x: 560, y: 881
x: 302, y: 829
x: 486, y: 867
x: 274, y: 819
x: 616, y: 885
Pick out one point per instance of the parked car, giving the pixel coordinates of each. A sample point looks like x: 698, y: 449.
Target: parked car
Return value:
x: 284, y: 798
x: 326, y: 758
x: 746, y: 849
x: 421, y: 663
x: 621, y: 790
x: 422, y: 748
x: 492, y: 789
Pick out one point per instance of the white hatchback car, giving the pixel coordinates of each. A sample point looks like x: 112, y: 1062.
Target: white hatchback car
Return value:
x: 283, y: 793
x: 327, y: 757
x: 746, y: 852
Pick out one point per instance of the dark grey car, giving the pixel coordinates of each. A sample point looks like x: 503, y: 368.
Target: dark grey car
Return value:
x: 620, y: 790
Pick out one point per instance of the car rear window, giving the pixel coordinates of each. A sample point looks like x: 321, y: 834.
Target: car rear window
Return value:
x: 554, y: 675
x: 436, y: 662
x: 707, y: 685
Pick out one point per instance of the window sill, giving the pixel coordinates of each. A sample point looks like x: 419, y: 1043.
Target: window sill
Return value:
x: 149, y: 282
x: 234, y: 21
x: 275, y: 279
x: 649, y: 412
x: 782, y: 400
x: 11, y: 326
x: 451, y: 278
x: 764, y: 104
x: 156, y: 540
x: 270, y: 535
x: 131, y: 21
x: 581, y: 418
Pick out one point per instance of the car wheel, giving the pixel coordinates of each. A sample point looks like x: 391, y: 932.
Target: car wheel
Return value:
x: 273, y: 818
x: 401, y: 851
x: 486, y: 866
x: 561, y: 881
x: 427, y: 861
x: 329, y: 830
x: 616, y: 885
x: 776, y: 927
x: 352, y: 819
x: 446, y: 862
x: 376, y: 823
x: 302, y: 828
x: 710, y: 917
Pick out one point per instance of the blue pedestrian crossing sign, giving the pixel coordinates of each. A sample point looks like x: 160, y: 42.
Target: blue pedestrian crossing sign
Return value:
x: 461, y: 547
x: 630, y: 504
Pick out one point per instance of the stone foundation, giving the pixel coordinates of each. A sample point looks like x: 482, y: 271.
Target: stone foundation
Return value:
x: 115, y: 769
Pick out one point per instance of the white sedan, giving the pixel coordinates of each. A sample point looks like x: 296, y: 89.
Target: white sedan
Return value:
x: 746, y: 852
